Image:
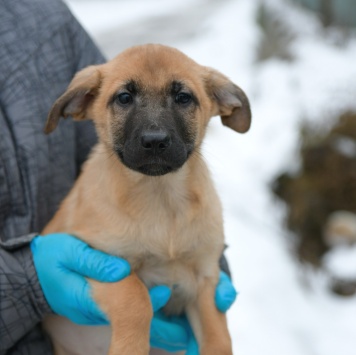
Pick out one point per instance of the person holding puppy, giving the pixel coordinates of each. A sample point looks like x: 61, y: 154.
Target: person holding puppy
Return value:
x: 43, y: 47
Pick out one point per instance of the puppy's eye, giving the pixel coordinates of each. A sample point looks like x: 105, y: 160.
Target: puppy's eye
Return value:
x: 125, y: 98
x: 183, y: 98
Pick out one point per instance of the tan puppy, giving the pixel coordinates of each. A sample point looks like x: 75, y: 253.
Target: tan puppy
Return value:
x: 145, y: 194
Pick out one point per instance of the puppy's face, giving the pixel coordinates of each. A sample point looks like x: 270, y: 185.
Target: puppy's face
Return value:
x: 151, y: 105
x: 153, y: 110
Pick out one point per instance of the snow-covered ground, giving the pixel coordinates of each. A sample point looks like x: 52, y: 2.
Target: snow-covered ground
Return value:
x: 282, y: 309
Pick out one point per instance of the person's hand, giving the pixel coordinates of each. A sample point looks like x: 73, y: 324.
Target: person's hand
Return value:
x: 175, y: 334
x: 62, y: 264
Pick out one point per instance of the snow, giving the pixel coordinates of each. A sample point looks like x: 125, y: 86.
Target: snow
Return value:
x: 282, y: 308
x: 101, y: 16
x: 341, y: 262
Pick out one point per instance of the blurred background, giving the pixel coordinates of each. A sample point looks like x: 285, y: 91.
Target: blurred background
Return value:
x: 288, y: 186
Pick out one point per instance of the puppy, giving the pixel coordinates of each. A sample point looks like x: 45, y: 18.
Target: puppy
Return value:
x: 145, y: 194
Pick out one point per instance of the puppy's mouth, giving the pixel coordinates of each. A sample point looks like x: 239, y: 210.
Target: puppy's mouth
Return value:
x: 149, y: 166
x: 155, y: 169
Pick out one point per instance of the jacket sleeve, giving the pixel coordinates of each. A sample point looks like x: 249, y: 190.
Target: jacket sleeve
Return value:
x: 22, y: 303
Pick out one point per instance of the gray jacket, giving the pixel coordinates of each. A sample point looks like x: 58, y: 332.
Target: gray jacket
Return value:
x: 41, y: 48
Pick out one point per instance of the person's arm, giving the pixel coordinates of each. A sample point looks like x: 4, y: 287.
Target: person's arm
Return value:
x: 22, y: 303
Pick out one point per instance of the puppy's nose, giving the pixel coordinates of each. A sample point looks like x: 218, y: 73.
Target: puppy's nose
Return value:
x: 155, y: 141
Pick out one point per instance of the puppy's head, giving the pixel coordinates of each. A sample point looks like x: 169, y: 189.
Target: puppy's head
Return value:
x: 151, y: 105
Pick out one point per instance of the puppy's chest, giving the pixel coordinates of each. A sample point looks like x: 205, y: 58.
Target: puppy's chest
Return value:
x: 172, y: 252
x: 159, y: 239
x: 173, y: 245
x: 157, y: 225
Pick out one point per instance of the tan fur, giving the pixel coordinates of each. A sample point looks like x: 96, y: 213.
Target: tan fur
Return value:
x: 168, y: 227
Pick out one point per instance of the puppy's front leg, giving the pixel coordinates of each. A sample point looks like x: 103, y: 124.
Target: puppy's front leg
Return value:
x: 128, y: 306
x: 209, y: 325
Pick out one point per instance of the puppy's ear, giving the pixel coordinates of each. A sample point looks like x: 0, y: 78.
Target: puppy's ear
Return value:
x: 231, y: 103
x: 76, y: 99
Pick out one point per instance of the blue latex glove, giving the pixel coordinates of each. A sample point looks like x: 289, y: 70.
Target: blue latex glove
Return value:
x: 62, y: 262
x: 174, y: 333
x: 61, y: 259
